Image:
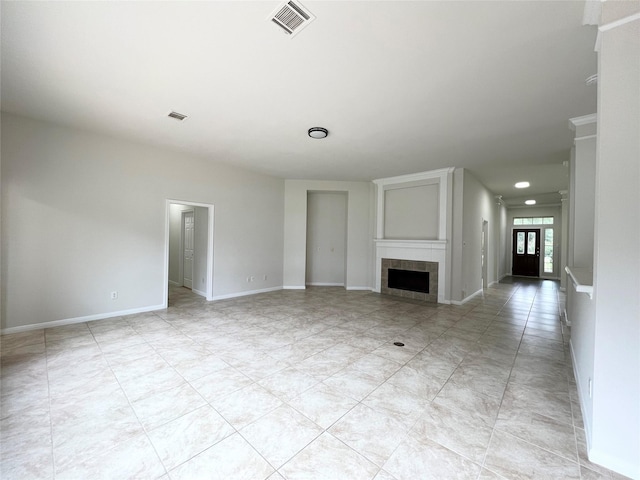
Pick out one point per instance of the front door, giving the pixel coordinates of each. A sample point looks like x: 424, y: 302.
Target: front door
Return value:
x: 187, y: 242
x: 526, y: 252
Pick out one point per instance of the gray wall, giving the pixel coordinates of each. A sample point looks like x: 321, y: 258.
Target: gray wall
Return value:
x: 85, y: 214
x: 473, y: 203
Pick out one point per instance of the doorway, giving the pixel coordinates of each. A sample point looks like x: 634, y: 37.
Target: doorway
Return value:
x: 326, y: 238
x: 526, y: 252
x: 188, y: 247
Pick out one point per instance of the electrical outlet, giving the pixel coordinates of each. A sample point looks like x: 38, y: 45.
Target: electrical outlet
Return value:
x: 114, y: 295
x: 590, y: 388
x: 252, y: 278
x: 264, y: 277
x: 248, y: 279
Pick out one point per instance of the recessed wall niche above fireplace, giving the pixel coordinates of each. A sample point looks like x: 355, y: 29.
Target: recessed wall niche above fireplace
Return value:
x: 410, y: 279
x: 414, y: 226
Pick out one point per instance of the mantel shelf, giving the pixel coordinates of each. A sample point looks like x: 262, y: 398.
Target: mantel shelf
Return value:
x: 582, y: 279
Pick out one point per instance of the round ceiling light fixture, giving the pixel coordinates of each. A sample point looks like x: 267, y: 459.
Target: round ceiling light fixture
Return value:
x: 530, y: 202
x: 522, y: 185
x: 318, y: 132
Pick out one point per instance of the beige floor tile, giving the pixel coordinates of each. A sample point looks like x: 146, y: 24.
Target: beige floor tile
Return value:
x: 288, y: 383
x: 425, y: 459
x: 231, y: 458
x: 246, y: 405
x: 134, y: 458
x: 540, y: 430
x: 469, y: 402
x: 463, y: 434
x: 280, y: 434
x: 92, y: 384
x: 413, y: 380
x: 187, y: 436
x: 369, y: 432
x: 323, y: 404
x: 327, y: 458
x: 354, y: 383
x: 160, y: 408
x: 517, y: 459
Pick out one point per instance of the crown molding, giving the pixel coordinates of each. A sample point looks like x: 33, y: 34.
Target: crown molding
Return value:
x: 618, y: 23
x: 412, y: 177
x: 584, y: 120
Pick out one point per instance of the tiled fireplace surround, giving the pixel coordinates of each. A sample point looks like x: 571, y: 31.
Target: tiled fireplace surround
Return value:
x: 414, y: 266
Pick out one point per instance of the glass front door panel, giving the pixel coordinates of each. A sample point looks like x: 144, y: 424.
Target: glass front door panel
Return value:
x: 531, y: 243
x: 520, y: 246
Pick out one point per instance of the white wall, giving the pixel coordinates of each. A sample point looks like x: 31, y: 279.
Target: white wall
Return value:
x: 84, y: 214
x: 473, y: 203
x: 556, y: 213
x: 359, y: 231
x: 503, y: 246
x: 326, y: 238
x: 615, y: 440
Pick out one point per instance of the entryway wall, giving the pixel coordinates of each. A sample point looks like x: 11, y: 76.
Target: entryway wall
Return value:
x: 326, y: 238
x: 201, y: 228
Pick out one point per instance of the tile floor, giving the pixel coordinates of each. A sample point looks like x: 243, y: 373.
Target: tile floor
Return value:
x: 300, y: 385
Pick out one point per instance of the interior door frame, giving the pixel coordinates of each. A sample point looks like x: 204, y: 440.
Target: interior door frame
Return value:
x: 523, y: 228
x: 210, y: 231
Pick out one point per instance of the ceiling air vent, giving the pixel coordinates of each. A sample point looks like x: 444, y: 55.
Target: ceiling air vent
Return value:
x: 291, y: 17
x: 177, y: 116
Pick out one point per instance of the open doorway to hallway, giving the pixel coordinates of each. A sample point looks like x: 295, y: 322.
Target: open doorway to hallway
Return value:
x: 189, y: 247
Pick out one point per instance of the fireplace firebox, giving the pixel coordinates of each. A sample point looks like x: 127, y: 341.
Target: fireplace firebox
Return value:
x: 409, y: 280
x: 413, y: 279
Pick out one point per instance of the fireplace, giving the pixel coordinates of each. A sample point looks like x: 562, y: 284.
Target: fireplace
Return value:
x: 413, y: 279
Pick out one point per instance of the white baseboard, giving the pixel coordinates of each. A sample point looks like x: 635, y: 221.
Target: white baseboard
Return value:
x: 323, y: 284
x: 175, y: 284
x: 244, y: 294
x: 612, y: 463
x: 294, y: 287
x: 585, y: 419
x: 199, y: 292
x: 370, y: 289
x: 467, y: 298
x: 87, y: 318
x: 601, y: 458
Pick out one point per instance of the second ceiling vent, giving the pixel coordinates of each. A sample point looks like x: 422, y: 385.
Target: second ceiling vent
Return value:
x: 291, y: 17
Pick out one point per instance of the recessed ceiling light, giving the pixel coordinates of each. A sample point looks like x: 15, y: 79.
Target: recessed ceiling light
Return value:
x: 318, y: 132
x: 522, y: 185
x: 530, y: 202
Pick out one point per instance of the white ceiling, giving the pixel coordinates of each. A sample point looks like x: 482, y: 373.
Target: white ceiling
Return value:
x: 403, y: 87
